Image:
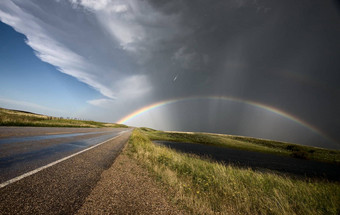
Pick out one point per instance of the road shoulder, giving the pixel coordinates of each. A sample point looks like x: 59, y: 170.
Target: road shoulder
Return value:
x: 127, y: 188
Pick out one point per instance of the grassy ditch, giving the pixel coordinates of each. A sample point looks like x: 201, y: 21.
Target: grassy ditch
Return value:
x: 22, y: 118
x: 204, y: 187
x: 250, y: 144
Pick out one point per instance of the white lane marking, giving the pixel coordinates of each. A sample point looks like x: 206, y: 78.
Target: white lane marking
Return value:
x: 60, y: 133
x: 18, y: 178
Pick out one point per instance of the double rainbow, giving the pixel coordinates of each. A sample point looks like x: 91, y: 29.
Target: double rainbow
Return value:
x: 225, y: 98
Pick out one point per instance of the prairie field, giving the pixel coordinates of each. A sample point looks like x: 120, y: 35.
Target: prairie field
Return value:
x: 22, y: 118
x: 249, y: 144
x: 207, y: 187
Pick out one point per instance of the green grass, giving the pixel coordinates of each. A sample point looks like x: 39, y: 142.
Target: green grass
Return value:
x: 22, y: 118
x: 250, y: 144
x: 205, y: 187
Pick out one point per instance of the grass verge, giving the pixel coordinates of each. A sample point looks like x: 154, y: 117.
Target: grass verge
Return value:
x: 204, y: 187
x: 22, y: 118
x: 250, y: 144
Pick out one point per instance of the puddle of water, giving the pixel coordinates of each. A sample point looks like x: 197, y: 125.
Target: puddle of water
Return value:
x: 257, y: 160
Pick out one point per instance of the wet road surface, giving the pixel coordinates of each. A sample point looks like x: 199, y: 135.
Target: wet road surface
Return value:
x: 61, y: 188
x: 259, y: 161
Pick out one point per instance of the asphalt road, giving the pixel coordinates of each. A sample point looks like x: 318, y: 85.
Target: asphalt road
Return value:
x: 52, y: 170
x: 260, y: 161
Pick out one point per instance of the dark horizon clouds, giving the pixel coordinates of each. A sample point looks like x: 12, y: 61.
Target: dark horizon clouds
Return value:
x: 283, y: 54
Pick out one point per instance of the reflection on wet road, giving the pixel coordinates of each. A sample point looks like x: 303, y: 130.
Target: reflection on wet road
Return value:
x: 44, y: 137
x: 19, y: 155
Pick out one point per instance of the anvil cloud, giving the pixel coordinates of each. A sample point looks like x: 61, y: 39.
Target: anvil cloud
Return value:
x: 135, y: 53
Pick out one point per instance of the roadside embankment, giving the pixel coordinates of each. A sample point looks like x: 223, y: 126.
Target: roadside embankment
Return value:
x: 206, y: 187
x: 127, y: 188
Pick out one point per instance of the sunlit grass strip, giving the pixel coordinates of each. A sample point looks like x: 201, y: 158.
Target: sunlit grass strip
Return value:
x: 205, y: 187
x: 17, y: 118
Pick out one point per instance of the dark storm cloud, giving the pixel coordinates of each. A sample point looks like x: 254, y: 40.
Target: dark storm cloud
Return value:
x: 253, y: 39
x: 279, y: 53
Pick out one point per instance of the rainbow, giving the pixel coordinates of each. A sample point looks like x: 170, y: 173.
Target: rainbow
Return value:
x: 225, y: 98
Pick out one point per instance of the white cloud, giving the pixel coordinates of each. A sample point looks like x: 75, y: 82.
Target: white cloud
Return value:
x: 120, y: 8
x: 74, y: 38
x: 48, y: 49
x: 23, y: 105
x: 134, y: 86
x: 100, y: 102
x: 133, y: 23
x: 130, y: 88
x: 92, y: 4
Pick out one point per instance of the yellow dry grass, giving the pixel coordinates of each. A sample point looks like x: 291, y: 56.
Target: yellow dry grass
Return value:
x: 204, y: 187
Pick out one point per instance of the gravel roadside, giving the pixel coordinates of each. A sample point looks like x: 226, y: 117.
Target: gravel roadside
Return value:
x: 127, y: 188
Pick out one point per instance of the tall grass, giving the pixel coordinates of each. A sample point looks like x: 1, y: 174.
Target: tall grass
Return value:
x: 21, y: 118
x: 250, y: 144
x: 204, y: 187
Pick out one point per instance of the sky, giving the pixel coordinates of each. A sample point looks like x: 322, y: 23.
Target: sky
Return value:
x: 260, y: 68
